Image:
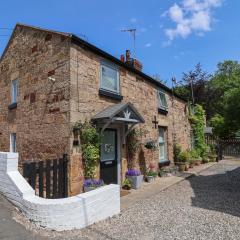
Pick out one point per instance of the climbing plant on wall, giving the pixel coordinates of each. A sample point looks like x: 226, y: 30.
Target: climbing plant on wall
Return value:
x: 134, y: 143
x: 90, y: 144
x: 197, y: 120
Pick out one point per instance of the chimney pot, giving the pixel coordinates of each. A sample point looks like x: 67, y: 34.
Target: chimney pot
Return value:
x: 128, y: 55
x: 122, y: 58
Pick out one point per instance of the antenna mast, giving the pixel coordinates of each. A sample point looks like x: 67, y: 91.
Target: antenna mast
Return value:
x: 133, y: 32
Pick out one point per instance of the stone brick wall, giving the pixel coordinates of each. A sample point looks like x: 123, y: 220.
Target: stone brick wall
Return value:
x: 85, y: 102
x: 42, y: 114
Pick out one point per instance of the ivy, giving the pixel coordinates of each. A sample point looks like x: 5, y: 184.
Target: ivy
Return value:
x: 197, y: 120
x: 90, y: 142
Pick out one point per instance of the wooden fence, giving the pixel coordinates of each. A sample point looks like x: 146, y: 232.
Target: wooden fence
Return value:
x: 49, y: 178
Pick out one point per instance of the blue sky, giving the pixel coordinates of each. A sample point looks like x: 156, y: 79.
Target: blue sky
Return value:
x: 172, y: 36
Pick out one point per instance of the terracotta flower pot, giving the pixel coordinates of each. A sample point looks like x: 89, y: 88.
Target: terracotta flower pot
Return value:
x: 181, y: 167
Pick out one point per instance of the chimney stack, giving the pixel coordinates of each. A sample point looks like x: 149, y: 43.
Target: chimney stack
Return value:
x: 132, y: 61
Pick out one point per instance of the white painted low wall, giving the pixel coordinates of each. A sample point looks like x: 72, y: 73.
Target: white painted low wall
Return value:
x: 57, y: 214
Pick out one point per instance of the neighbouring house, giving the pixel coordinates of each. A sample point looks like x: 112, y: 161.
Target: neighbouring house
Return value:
x: 49, y: 80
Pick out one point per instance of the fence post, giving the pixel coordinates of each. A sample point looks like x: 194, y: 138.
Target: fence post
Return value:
x: 65, y: 175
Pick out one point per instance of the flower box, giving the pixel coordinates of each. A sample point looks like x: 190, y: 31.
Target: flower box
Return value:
x: 150, y: 179
x: 135, y: 177
x: 136, y: 181
x: 92, y: 184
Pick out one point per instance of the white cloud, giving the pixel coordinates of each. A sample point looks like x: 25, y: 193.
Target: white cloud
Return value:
x: 191, y: 16
x: 176, y: 13
x: 147, y: 45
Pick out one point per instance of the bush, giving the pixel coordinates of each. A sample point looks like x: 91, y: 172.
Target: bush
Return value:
x: 194, y: 154
x: 176, y: 151
x: 183, y: 156
x: 126, y: 184
x: 90, y: 142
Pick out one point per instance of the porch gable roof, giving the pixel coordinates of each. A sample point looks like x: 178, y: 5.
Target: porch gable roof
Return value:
x: 112, y: 113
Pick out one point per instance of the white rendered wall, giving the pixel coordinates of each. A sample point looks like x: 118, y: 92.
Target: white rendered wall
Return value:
x: 57, y: 214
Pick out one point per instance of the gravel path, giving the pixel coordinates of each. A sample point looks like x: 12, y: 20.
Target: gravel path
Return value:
x: 202, y: 207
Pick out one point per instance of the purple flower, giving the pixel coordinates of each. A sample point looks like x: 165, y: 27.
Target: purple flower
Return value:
x: 93, y: 183
x: 133, y: 172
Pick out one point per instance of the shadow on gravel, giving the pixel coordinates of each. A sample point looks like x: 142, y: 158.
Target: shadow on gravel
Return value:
x: 219, y: 192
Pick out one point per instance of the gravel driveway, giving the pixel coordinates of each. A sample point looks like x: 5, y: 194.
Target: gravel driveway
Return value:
x: 202, y: 207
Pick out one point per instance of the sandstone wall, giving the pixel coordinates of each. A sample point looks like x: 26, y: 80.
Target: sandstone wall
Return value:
x: 86, y: 102
x: 42, y: 114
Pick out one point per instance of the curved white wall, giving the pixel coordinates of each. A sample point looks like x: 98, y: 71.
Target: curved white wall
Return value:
x: 58, y: 214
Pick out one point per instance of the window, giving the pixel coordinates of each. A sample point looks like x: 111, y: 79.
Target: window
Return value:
x: 14, y: 91
x: 162, y: 144
x: 109, y: 78
x: 13, y: 142
x: 162, y: 102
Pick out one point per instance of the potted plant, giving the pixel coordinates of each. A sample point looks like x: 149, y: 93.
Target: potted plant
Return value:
x: 163, y: 172
x: 126, y: 185
x: 151, y: 176
x: 212, y: 154
x: 194, y: 156
x: 191, y: 163
x: 151, y: 145
x: 135, y: 177
x: 182, y: 160
x: 92, y: 184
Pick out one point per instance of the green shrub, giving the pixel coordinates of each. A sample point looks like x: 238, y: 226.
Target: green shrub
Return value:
x: 152, y: 174
x: 184, y: 156
x: 194, y: 154
x: 176, y: 151
x: 90, y: 143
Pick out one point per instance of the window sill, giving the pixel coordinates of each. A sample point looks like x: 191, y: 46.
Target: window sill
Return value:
x: 163, y: 111
x: 12, y: 106
x: 111, y: 95
x: 163, y: 164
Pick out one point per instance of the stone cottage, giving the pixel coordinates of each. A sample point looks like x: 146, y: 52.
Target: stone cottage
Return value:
x: 49, y: 80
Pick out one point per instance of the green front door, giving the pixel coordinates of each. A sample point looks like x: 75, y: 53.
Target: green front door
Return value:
x: 108, y: 160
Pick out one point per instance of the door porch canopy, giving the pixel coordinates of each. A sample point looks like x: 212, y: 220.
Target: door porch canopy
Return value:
x: 121, y: 113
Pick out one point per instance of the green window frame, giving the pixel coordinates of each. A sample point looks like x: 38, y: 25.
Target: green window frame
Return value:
x: 162, y: 101
x: 109, y: 78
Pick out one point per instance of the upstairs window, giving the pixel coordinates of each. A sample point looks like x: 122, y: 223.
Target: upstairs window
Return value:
x: 162, y: 101
x: 109, y: 78
x: 14, y: 91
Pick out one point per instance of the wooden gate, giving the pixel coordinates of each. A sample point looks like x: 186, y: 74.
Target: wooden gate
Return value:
x: 225, y: 147
x: 49, y: 178
x: 230, y: 147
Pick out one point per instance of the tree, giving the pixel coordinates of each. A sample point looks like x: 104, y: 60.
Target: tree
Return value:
x: 195, y: 86
x: 225, y: 85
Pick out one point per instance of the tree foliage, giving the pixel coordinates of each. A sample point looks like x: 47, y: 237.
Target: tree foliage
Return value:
x: 219, y: 94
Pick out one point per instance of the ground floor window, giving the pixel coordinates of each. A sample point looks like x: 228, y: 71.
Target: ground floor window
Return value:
x: 162, y: 144
x: 13, y: 142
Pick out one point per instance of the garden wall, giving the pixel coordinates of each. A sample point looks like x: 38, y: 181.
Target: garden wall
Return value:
x: 57, y: 214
